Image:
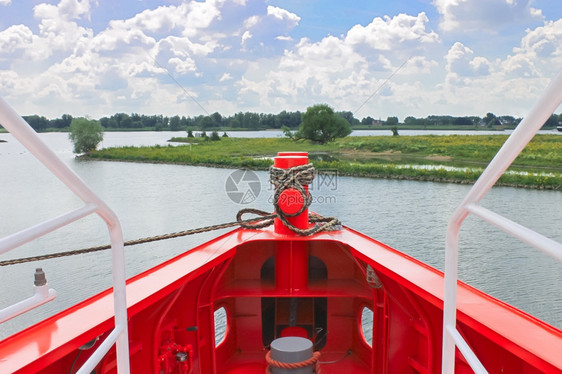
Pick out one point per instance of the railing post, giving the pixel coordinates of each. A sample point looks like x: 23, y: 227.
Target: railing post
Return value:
x: 545, y: 106
x: 450, y: 297
x: 29, y: 138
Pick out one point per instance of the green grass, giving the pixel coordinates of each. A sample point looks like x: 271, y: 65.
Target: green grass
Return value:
x: 538, y: 166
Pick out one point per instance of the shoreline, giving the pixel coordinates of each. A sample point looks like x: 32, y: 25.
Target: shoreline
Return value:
x: 345, y: 174
x: 451, y: 159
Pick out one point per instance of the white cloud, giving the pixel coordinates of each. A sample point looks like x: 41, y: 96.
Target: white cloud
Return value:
x: 519, y: 66
x: 65, y: 10
x: 508, y: 85
x: 118, y: 39
x: 283, y: 15
x: 470, y: 15
x: 539, y: 54
x: 5, y: 2
x: 269, y: 31
x: 251, y: 21
x: 544, y: 41
x: 225, y: 77
x: 245, y: 37
x: 15, y: 38
x: 284, y: 38
x: 182, y: 66
x: 9, y: 80
x: 480, y: 65
x: 345, y: 70
x: 200, y: 16
x: 58, y: 30
x: 385, y: 34
x: 234, y: 57
x: 461, y: 63
x: 419, y: 65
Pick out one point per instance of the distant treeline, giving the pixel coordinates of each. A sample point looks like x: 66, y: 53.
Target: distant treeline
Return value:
x: 261, y: 121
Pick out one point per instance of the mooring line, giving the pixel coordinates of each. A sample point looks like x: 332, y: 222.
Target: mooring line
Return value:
x: 282, y: 179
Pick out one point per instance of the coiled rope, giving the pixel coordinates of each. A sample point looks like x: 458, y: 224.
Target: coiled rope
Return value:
x: 282, y: 179
x: 313, y: 361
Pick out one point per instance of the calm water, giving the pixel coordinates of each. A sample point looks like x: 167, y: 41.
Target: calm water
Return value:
x: 155, y: 199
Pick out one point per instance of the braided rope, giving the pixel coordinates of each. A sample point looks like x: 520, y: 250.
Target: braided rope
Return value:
x: 313, y: 361
x: 282, y: 179
x: 139, y: 241
x: 295, y: 178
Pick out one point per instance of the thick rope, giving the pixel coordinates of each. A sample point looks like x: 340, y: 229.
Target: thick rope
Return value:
x: 295, y: 178
x: 313, y: 361
x: 282, y: 179
x: 139, y: 241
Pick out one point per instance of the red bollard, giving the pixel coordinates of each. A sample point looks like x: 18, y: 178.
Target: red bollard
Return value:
x: 290, y: 201
x: 291, y: 259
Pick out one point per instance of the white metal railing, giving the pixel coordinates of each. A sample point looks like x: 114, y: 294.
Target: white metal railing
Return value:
x: 41, y: 294
x: 545, y: 106
x: 11, y: 121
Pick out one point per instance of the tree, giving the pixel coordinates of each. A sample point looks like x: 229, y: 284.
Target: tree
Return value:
x: 348, y: 116
x: 85, y: 134
x: 491, y: 120
x: 287, y: 132
x: 267, y: 121
x: 38, y: 123
x: 175, y: 123
x: 61, y: 123
x: 207, y: 122
x: 217, y: 119
x: 321, y: 124
x: 367, y: 121
x: 551, y: 122
x: 392, y: 121
x: 462, y: 121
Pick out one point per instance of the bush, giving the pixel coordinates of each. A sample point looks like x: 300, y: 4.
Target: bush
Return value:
x: 215, y: 136
x: 85, y: 134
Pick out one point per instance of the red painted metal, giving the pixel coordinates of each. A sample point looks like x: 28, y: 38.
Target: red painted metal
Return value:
x: 180, y: 296
x: 291, y: 201
x: 175, y: 358
x: 295, y: 331
x: 291, y: 259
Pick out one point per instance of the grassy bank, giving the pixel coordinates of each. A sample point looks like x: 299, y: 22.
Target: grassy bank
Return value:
x: 455, y: 158
x: 450, y: 127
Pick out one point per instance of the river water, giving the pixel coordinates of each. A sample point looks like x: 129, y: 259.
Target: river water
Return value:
x: 155, y: 199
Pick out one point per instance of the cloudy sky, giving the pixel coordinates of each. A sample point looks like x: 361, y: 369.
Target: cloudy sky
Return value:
x: 457, y: 57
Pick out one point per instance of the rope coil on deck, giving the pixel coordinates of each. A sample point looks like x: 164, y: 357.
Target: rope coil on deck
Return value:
x: 282, y: 179
x: 313, y: 361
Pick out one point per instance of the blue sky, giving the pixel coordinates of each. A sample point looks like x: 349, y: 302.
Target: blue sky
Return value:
x: 448, y: 57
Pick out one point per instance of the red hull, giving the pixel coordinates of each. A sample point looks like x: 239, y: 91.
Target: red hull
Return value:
x: 172, y: 306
